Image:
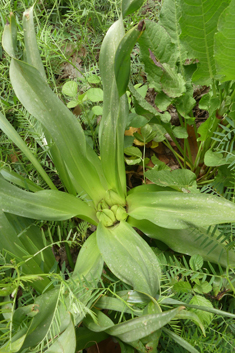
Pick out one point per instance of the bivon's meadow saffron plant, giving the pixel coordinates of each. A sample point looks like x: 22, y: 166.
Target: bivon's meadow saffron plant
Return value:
x: 95, y: 190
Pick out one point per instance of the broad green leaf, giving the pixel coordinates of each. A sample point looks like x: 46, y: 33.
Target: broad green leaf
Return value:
x: 14, y: 346
x: 12, y: 241
x: 177, y: 210
x: 129, y: 257
x: 201, y: 301
x: 133, y: 297
x: 141, y: 89
x: 31, y: 240
x: 20, y: 313
x: 162, y: 101
x: 95, y: 94
x: 86, y: 338
x: 160, y: 133
x: 93, y: 79
x: 180, y: 132
x: 122, y: 57
x: 9, y: 37
x: 190, y: 241
x: 89, y: 261
x: 72, y: 104
x: 215, y: 159
x: 108, y: 303
x: 135, y: 120
x: 41, y: 323
x: 186, y: 102
x: 133, y: 151
x: 145, y: 108
x: 224, y: 44
x: 70, y: 89
x: 130, y: 6
x: 31, y: 48
x: 172, y: 83
x: 151, y: 341
x: 159, y: 165
x: 63, y: 127
x: 115, y: 112
x: 140, y: 327
x: 199, y: 24
x: 182, y: 287
x: 206, y: 130
x: 9, y: 130
x: 157, y: 40
x: 66, y: 342
x: 180, y: 341
x: 177, y: 179
x: 169, y: 19
x: 203, y: 287
x: 97, y: 110
x: 17, y: 179
x: 125, y: 348
x: 102, y: 323
x: 189, y: 315
x: 43, y: 205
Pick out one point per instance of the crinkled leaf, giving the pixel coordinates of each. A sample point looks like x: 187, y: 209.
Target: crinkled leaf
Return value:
x: 162, y: 101
x: 199, y: 24
x: 142, y: 107
x: 177, y: 179
x: 172, y: 83
x: 224, y: 44
x: 169, y: 19
x: 159, y: 42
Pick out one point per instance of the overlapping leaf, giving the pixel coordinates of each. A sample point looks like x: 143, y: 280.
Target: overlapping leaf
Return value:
x: 115, y: 112
x: 224, y: 44
x: 159, y: 42
x: 129, y: 257
x: 43, y: 205
x: 177, y: 210
x: 199, y: 24
x: 191, y: 241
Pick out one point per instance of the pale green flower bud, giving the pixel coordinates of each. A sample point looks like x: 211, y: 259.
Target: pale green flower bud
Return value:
x: 106, y: 217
